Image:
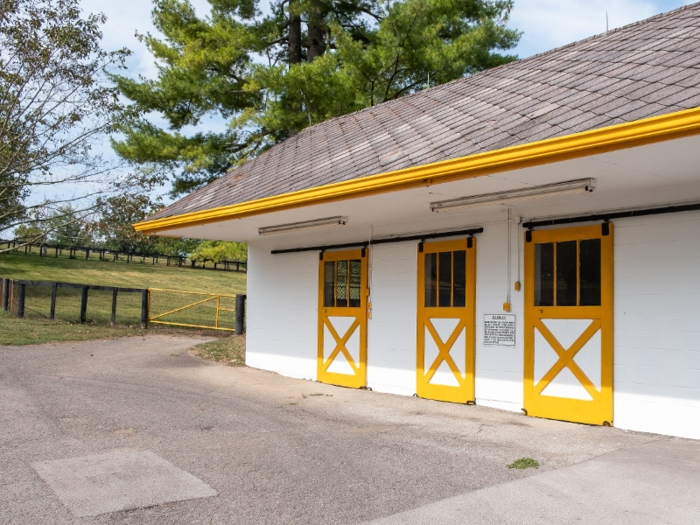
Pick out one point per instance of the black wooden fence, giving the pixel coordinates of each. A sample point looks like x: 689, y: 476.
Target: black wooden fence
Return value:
x: 117, y: 255
x: 9, y: 285
x: 14, y: 299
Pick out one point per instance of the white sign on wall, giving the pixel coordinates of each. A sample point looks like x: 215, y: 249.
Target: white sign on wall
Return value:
x: 499, y: 329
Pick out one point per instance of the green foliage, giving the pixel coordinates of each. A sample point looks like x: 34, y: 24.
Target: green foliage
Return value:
x: 68, y: 228
x: 117, y: 215
x: 320, y: 59
x: 218, y: 251
x: 524, y: 463
x: 114, y: 226
x: 29, y: 233
x: 174, y: 246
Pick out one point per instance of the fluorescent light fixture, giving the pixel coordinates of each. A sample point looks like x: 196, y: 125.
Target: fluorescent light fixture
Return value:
x: 304, y: 225
x: 505, y: 197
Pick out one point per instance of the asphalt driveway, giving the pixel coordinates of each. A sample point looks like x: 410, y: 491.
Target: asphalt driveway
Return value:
x: 216, y: 444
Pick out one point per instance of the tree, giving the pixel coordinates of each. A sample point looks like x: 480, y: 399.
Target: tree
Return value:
x: 114, y: 227
x: 55, y: 107
x: 218, y: 251
x: 67, y: 227
x: 309, y: 60
x: 30, y: 234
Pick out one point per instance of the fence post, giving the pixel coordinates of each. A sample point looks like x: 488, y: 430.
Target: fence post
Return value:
x: 56, y: 252
x: 240, y: 314
x: 144, y: 309
x: 114, y: 307
x: 20, y: 300
x: 83, y: 304
x: 5, y: 294
x: 52, y: 313
x: 87, y: 253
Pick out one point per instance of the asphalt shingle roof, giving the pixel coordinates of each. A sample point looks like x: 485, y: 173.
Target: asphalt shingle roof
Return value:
x: 638, y: 71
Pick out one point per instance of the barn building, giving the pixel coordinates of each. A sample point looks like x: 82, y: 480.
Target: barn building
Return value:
x: 526, y: 238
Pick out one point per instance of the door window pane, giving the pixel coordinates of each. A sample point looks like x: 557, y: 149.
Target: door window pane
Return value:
x: 329, y: 284
x: 589, y: 269
x: 567, y: 278
x: 355, y: 283
x: 341, y: 285
x: 459, y: 278
x: 430, y: 279
x: 544, y: 274
x: 445, y: 276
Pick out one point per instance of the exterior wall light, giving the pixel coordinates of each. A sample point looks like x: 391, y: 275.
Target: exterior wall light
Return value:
x: 505, y: 197
x: 305, y: 225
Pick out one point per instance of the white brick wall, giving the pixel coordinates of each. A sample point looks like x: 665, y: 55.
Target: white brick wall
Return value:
x: 657, y: 324
x: 499, y: 369
x: 282, y: 312
x: 657, y: 320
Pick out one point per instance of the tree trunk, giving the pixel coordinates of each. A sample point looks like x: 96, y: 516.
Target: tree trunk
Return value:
x: 294, y: 33
x: 315, y: 45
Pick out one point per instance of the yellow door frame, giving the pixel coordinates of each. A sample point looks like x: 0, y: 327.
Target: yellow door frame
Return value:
x: 463, y: 393
x: 359, y: 378
x: 599, y: 410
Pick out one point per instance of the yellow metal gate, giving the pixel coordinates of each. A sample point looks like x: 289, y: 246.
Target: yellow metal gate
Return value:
x: 342, y: 319
x: 569, y: 324
x: 446, y: 297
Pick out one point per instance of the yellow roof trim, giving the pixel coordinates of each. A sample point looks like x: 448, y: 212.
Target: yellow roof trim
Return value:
x: 621, y: 136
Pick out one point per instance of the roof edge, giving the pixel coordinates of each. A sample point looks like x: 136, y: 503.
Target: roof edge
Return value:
x: 611, y: 138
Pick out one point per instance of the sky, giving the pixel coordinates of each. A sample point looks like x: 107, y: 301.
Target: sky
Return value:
x: 545, y: 24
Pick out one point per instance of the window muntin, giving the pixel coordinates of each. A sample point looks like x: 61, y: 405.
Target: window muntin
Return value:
x: 445, y: 279
x: 568, y: 273
x: 342, y: 284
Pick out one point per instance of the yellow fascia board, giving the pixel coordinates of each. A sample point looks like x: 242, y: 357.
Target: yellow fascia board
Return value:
x: 622, y: 136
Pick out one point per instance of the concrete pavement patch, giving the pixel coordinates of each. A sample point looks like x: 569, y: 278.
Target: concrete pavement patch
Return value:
x: 99, y: 484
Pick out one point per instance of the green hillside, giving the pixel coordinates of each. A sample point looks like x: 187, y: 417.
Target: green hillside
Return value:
x: 120, y: 273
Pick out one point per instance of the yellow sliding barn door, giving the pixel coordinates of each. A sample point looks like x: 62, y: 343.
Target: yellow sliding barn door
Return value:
x: 446, y: 296
x: 342, y: 319
x: 569, y: 324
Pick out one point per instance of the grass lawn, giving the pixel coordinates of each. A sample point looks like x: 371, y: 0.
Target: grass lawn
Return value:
x: 36, y: 327
x: 15, y: 331
x: 230, y: 350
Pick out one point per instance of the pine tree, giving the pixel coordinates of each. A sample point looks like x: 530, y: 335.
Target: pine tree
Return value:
x: 307, y: 61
